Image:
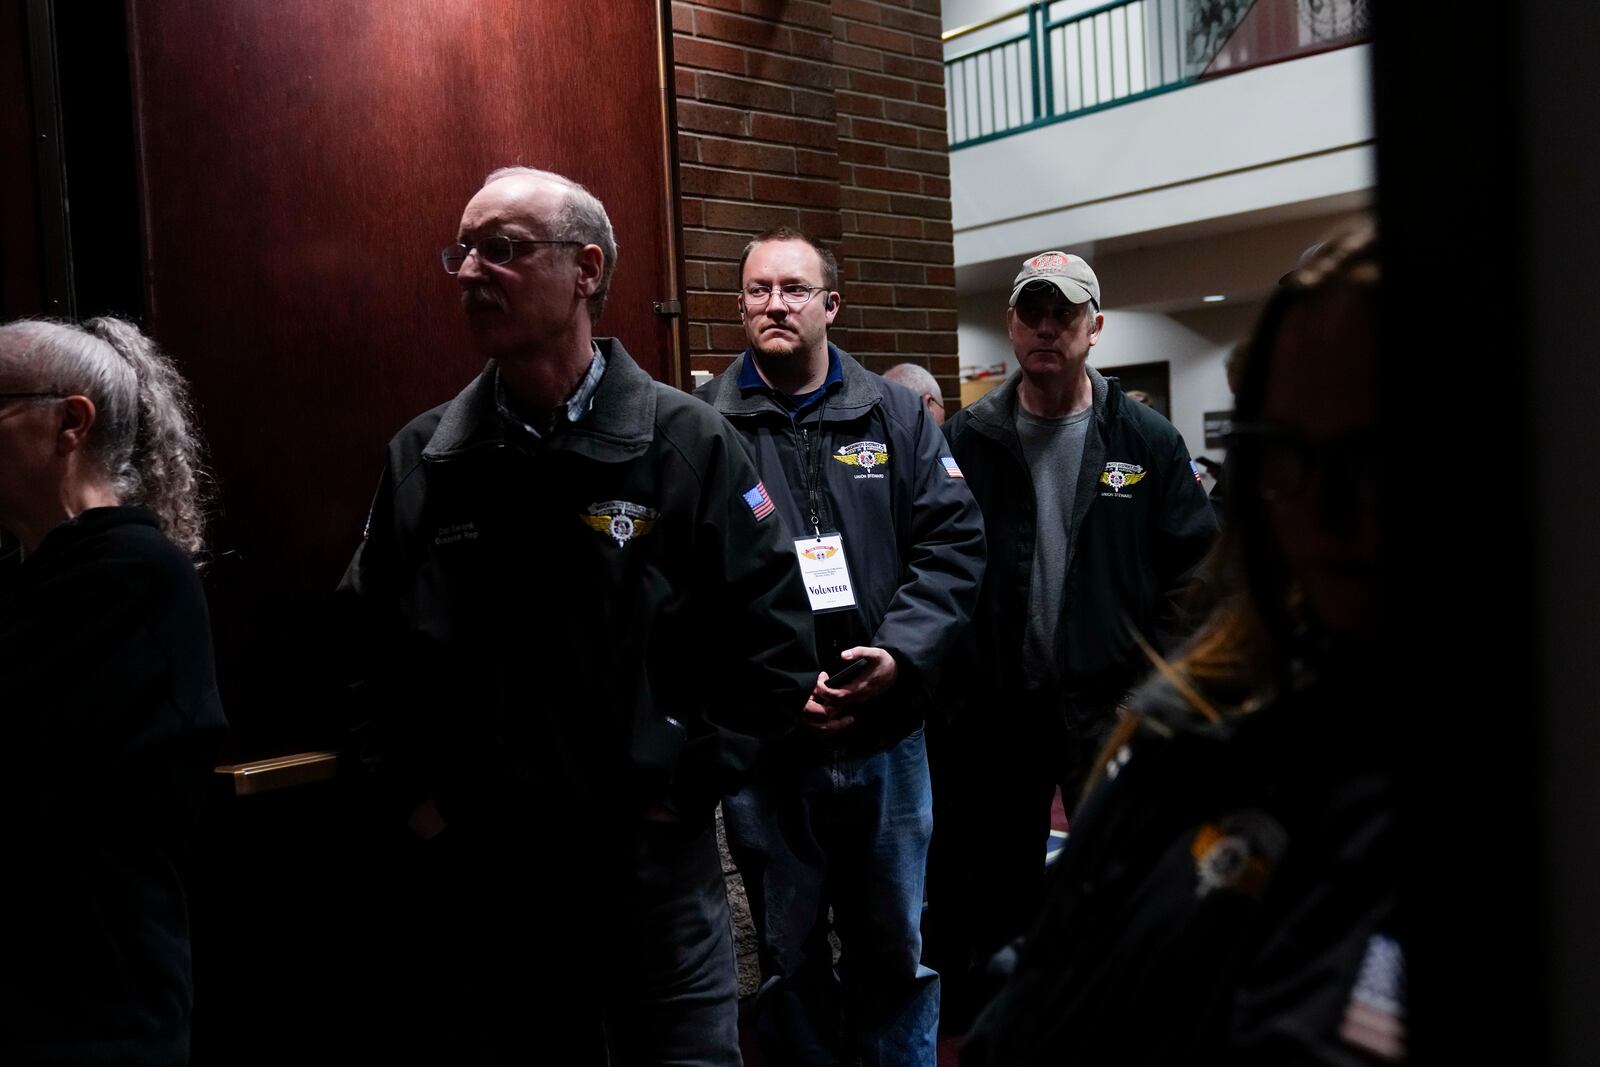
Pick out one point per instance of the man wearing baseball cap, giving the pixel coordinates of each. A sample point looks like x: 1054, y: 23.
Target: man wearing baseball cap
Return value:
x: 1096, y: 524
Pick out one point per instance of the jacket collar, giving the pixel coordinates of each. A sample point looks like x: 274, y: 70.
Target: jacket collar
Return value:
x: 857, y: 391
x: 995, y: 413
x: 618, y: 427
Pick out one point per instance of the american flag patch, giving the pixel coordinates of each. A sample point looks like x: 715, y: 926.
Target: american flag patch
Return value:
x: 1198, y: 471
x: 1374, y: 1017
x: 760, y: 503
x: 950, y: 467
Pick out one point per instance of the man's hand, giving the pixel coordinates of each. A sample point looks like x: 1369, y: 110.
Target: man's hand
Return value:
x: 825, y: 712
x: 425, y: 821
x: 822, y: 720
x: 661, y: 813
x: 879, y: 676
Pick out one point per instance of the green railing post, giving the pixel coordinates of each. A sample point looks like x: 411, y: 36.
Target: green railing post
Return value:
x: 1035, y: 17
x: 1048, y: 75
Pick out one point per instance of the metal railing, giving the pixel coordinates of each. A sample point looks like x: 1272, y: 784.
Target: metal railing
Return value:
x: 1088, y: 60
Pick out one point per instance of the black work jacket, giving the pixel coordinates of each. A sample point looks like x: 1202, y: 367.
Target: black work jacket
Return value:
x: 587, y: 624
x: 912, y: 533
x: 1138, y: 544
x: 1227, y: 896
x: 114, y: 722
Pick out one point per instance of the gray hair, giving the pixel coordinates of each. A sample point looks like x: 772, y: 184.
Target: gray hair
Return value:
x: 915, y: 378
x: 143, y: 432
x: 581, y: 218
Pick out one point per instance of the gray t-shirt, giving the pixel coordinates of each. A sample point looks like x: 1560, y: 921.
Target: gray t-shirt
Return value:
x: 1054, y: 451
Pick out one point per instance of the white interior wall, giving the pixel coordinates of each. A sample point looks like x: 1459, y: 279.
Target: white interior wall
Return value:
x: 981, y: 332
x: 1279, y: 135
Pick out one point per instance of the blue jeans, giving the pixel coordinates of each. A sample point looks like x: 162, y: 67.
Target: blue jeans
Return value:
x: 850, y: 832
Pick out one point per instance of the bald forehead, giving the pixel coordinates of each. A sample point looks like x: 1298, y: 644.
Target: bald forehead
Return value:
x: 517, y: 205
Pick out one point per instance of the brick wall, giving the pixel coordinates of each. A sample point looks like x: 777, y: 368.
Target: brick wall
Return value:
x: 827, y: 115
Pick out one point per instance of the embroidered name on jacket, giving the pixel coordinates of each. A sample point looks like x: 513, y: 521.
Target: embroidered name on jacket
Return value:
x: 620, y: 520
x: 461, y: 531
x: 1120, y: 478
x: 865, y: 456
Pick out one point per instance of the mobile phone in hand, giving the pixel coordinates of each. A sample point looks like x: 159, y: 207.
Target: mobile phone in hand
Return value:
x: 849, y: 673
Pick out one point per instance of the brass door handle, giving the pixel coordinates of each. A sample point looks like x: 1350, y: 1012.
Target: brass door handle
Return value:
x: 282, y: 772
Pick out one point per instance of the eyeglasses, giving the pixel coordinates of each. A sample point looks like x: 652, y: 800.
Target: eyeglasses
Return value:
x: 793, y: 295
x: 498, y: 249
x: 1285, y: 459
x: 32, y: 396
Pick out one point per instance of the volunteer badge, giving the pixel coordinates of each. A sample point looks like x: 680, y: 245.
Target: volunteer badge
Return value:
x: 620, y: 520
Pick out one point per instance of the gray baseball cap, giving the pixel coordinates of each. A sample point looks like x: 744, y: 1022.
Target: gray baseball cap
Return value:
x: 1068, y: 273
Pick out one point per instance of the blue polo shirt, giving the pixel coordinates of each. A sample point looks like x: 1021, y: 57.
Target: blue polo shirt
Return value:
x: 750, y: 378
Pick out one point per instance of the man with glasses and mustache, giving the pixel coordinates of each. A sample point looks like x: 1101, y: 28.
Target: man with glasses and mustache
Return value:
x: 891, y: 548
x: 583, y: 618
x: 1096, y: 523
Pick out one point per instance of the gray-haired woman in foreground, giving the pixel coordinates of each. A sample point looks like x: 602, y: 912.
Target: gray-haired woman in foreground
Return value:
x: 108, y: 692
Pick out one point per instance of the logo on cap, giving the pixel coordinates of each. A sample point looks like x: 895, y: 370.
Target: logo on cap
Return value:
x: 1049, y: 261
x: 1067, y: 272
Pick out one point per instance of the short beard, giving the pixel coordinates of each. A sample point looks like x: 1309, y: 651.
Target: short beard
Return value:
x: 792, y: 352
x: 794, y: 346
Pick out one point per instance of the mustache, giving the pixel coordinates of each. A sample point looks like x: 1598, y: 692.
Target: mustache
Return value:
x: 482, y: 298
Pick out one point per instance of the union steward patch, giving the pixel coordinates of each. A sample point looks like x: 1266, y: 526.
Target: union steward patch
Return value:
x: 620, y: 520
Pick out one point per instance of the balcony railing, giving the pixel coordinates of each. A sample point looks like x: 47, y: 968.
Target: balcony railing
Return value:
x: 1069, y: 62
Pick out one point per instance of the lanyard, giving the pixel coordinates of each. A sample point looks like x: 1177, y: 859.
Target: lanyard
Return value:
x: 811, y: 467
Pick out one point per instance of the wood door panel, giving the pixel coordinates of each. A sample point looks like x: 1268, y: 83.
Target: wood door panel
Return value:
x: 302, y: 163
x: 20, y: 290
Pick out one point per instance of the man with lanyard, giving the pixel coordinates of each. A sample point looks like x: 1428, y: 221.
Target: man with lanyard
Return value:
x: 583, y: 619
x: 890, y: 544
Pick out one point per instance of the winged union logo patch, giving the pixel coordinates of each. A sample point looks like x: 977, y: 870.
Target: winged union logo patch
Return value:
x: 865, y: 456
x: 820, y: 552
x: 620, y: 520
x: 1120, y: 476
